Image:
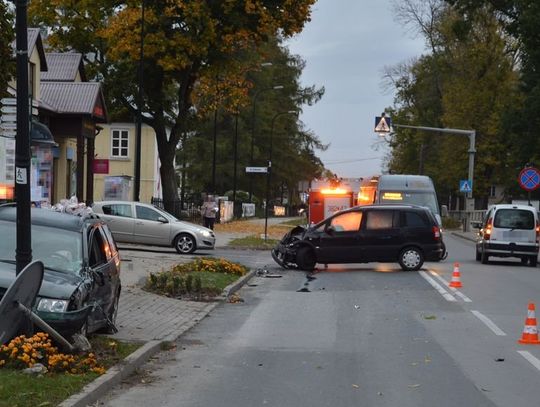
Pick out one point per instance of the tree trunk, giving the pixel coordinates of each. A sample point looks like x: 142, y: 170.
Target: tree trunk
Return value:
x: 167, y: 151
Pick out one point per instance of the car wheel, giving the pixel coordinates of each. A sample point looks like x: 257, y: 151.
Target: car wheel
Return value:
x: 524, y: 260
x: 478, y: 255
x: 533, y: 261
x: 484, y: 257
x: 411, y: 259
x: 305, y: 259
x: 185, y: 244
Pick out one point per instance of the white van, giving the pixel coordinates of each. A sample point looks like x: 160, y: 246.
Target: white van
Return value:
x: 509, y: 231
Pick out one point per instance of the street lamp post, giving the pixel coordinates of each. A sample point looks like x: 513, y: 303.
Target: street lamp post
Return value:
x: 269, y: 170
x: 138, y: 138
x: 276, y: 87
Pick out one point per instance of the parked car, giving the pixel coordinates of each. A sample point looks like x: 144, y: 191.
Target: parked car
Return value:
x: 405, y: 234
x: 81, y: 284
x: 136, y: 222
x: 509, y: 230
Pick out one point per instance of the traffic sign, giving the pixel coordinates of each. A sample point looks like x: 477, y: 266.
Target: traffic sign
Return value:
x: 8, y: 109
x: 7, y: 118
x: 8, y: 126
x: 8, y: 101
x: 257, y: 169
x: 382, y: 124
x: 529, y: 178
x: 465, y: 185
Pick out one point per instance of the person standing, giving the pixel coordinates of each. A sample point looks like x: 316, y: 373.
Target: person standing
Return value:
x: 209, y: 209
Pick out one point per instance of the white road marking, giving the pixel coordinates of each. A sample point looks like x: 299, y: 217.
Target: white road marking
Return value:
x: 447, y: 296
x: 489, y: 323
x: 527, y: 355
x: 453, y: 289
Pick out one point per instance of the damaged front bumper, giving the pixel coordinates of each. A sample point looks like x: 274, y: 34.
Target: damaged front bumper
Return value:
x: 284, y: 253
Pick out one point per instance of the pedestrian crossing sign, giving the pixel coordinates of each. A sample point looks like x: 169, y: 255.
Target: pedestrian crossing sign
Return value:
x: 465, y: 185
x: 382, y: 124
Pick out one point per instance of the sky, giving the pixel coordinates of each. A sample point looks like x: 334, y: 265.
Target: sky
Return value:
x: 346, y: 46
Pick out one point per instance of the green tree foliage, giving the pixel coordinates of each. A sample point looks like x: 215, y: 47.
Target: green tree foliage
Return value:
x: 187, y: 45
x: 468, y: 81
x: 7, y: 62
x: 293, y: 147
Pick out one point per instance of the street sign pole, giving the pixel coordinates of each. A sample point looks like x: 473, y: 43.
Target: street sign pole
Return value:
x: 23, y: 251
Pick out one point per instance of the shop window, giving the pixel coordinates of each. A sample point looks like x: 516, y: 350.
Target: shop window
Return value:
x: 120, y: 144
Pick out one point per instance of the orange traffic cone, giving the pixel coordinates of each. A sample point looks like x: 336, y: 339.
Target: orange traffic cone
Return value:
x: 530, y: 332
x: 456, y: 282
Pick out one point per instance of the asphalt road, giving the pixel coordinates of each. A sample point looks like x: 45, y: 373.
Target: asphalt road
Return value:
x: 358, y: 335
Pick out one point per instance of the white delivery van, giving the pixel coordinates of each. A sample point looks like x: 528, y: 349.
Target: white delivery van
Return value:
x: 509, y: 230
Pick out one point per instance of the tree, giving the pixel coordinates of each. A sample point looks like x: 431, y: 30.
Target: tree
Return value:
x: 7, y: 62
x: 186, y: 45
x: 468, y: 81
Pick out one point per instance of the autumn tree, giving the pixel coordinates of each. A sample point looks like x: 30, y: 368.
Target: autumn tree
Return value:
x: 186, y: 44
x: 468, y: 81
x: 7, y: 62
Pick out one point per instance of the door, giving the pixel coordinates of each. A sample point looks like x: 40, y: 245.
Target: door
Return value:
x: 151, y: 227
x: 120, y: 219
x: 381, y: 236
x: 339, y: 239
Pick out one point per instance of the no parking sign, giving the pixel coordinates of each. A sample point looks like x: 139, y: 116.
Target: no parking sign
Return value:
x: 529, y: 178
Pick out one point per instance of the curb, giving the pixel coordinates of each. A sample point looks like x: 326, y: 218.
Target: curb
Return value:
x: 103, y: 384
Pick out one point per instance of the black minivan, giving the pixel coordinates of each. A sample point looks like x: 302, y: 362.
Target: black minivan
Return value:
x: 406, y: 234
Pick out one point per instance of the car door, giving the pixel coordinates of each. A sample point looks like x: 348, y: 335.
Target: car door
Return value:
x: 380, y: 235
x: 151, y: 227
x: 104, y: 273
x: 416, y: 228
x: 120, y: 219
x: 338, y: 239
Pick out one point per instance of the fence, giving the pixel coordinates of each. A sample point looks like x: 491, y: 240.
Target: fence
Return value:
x: 466, y: 217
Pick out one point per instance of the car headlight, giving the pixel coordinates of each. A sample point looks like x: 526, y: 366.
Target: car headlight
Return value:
x: 52, y: 305
x: 205, y: 233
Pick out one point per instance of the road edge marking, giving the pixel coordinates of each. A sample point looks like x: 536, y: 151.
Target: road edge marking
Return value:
x: 530, y: 358
x: 489, y: 323
x: 446, y: 295
x: 453, y: 289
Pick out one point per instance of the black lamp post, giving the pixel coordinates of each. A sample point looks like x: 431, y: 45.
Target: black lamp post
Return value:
x: 23, y: 250
x: 138, y: 138
x: 269, y: 170
x: 277, y: 87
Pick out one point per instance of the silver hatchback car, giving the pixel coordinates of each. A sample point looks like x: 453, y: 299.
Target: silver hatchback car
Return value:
x: 140, y: 223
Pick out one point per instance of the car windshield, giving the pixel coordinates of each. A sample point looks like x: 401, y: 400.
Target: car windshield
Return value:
x: 58, y: 249
x: 425, y: 199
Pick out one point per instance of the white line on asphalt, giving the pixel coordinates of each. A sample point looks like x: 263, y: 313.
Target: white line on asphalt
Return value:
x: 447, y: 296
x: 489, y: 323
x: 534, y: 361
x: 453, y: 289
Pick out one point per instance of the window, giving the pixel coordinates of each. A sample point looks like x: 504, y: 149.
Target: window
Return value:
x: 347, y: 222
x: 97, y: 249
x: 118, y: 210
x: 514, y: 219
x: 379, y: 220
x: 147, y: 213
x: 414, y: 220
x: 120, y: 144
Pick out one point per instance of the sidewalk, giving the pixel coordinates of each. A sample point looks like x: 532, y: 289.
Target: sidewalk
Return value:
x: 152, y: 319
x: 471, y: 236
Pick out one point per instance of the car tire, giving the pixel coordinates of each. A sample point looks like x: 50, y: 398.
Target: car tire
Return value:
x: 478, y: 255
x: 185, y: 244
x: 305, y: 259
x: 524, y: 260
x: 411, y: 259
x: 533, y: 261
x: 484, y: 257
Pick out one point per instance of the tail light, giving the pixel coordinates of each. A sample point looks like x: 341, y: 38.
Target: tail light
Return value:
x: 487, y: 230
x: 436, y: 233
x: 537, y: 230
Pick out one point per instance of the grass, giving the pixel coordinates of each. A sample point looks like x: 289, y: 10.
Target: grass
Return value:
x: 300, y: 221
x: 253, y: 242
x: 20, y: 390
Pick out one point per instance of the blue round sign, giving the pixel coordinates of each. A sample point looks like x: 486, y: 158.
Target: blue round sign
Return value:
x: 529, y: 178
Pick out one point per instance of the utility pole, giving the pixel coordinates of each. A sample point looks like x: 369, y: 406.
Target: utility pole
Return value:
x: 23, y: 251
x: 138, y: 138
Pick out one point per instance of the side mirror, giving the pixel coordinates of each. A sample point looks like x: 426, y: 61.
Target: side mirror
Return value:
x: 330, y: 230
x: 476, y: 224
x: 162, y: 220
x: 99, y: 277
x: 444, y: 211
